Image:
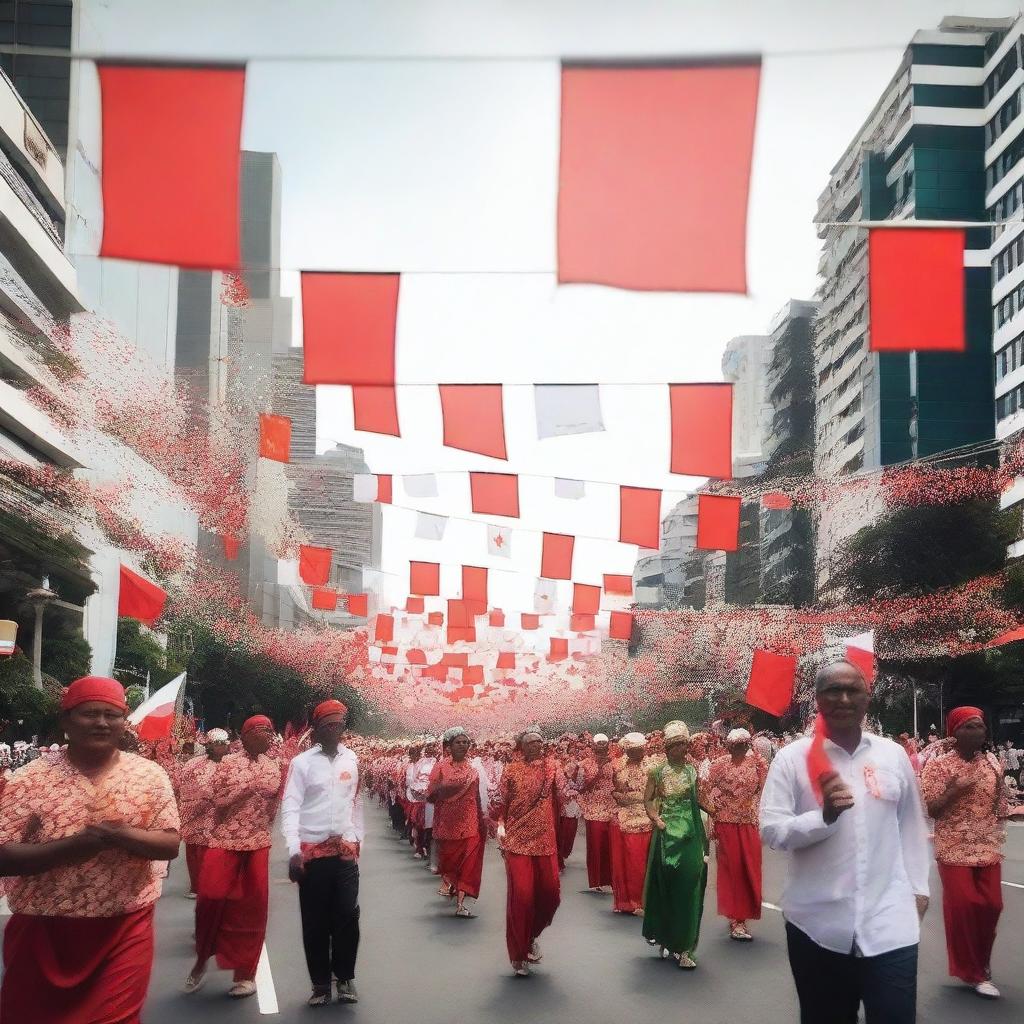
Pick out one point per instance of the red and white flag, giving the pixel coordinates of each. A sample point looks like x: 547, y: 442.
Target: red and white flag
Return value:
x: 499, y: 541
x: 860, y: 651
x: 154, y: 718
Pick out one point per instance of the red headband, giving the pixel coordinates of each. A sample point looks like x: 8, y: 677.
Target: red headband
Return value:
x: 328, y: 707
x: 97, y: 688
x: 958, y: 716
x: 257, y: 722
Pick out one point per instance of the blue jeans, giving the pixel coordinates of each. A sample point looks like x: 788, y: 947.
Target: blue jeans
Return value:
x: 831, y: 986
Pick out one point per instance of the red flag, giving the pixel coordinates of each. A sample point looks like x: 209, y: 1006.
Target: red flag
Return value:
x: 375, y: 409
x: 654, y: 175
x: 455, y: 659
x: 860, y: 652
x: 415, y: 656
x: 467, y: 634
x: 556, y: 556
x: 231, y: 545
x: 139, y: 598
x: 620, y: 625
x: 425, y: 578
x: 473, y: 418
x: 474, y: 588
x: 718, y: 522
x: 384, y: 488
x: 384, y: 629
x: 818, y: 761
x: 916, y: 289
x: 586, y: 600
x: 506, y: 659
x: 559, y: 649
x: 314, y: 565
x: 527, y: 621
x: 618, y: 584
x: 776, y: 500
x: 701, y: 429
x: 325, y: 599
x: 348, y: 328
x: 435, y: 618
x: 414, y: 605
x: 171, y: 164
x: 460, y: 614
x: 581, y: 622
x: 495, y: 494
x: 640, y: 516
x: 275, y: 437
x: 496, y: 618
x: 358, y: 604
x: 770, y: 686
x: 472, y: 674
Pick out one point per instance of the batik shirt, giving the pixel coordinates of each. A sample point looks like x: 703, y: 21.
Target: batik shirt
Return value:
x: 51, y: 799
x: 458, y: 816
x: 595, y: 790
x: 526, y: 802
x: 970, y: 831
x: 734, y: 790
x: 195, y: 801
x: 630, y: 780
x: 245, y: 792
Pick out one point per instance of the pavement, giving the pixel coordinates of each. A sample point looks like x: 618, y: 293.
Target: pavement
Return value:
x: 418, y: 963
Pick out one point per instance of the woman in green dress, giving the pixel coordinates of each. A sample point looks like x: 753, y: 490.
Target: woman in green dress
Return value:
x: 677, y: 864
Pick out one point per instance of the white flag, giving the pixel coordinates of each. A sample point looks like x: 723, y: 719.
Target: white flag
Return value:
x: 288, y: 572
x: 420, y: 485
x: 567, y: 409
x: 573, y: 489
x: 544, y: 597
x: 364, y: 487
x: 430, y: 527
x: 499, y: 541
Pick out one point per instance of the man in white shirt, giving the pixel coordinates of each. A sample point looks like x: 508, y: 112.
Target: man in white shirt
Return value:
x: 322, y: 823
x: 859, y: 859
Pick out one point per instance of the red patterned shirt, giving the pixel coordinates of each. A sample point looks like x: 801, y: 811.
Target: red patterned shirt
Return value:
x: 969, y: 832
x: 195, y: 803
x: 456, y: 816
x: 51, y: 799
x: 526, y: 802
x: 245, y: 792
x: 595, y: 790
x: 630, y: 783
x: 734, y: 790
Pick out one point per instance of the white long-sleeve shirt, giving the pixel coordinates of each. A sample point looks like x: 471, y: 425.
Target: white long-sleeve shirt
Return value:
x: 854, y: 881
x: 322, y: 799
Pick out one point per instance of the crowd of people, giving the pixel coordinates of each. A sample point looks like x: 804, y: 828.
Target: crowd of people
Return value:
x: 87, y: 830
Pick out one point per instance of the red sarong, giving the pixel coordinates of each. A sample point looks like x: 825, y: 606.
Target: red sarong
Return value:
x: 194, y: 862
x: 76, y: 970
x: 972, y: 900
x: 460, y: 862
x: 231, y: 909
x: 629, y: 869
x: 739, y: 871
x: 599, y: 853
x: 566, y: 837
x: 534, y: 893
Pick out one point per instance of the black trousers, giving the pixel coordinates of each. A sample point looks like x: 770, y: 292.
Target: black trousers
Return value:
x: 831, y: 986
x: 329, y: 904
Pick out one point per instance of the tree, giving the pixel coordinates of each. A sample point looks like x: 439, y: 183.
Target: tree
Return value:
x: 66, y: 656
x: 135, y: 695
x: 25, y: 710
x: 140, y: 658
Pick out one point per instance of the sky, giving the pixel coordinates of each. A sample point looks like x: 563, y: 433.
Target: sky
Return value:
x: 432, y: 150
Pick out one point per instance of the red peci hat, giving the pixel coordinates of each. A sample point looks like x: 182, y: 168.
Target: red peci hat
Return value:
x: 257, y: 722
x: 328, y: 707
x: 94, y: 688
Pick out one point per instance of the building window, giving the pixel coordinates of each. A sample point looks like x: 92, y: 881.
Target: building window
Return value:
x: 1003, y: 118
x: 1002, y: 73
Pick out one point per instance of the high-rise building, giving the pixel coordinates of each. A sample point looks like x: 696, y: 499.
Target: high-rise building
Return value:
x: 744, y: 365
x: 920, y: 154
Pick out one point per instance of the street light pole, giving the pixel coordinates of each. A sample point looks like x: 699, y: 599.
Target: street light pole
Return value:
x: 915, y: 711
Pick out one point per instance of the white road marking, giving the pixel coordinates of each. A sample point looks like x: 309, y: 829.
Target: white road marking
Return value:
x: 771, y: 906
x: 1014, y: 885
x: 266, y: 994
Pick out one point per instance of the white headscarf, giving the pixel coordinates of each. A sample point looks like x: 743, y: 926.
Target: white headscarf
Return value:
x: 737, y: 736
x: 599, y: 738
x: 217, y: 736
x: 633, y: 739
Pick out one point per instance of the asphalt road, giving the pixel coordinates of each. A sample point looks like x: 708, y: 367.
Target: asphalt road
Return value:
x: 419, y: 964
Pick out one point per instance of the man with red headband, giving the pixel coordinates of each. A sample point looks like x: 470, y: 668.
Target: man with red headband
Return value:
x: 858, y: 846
x: 85, y: 835
x: 322, y: 823
x: 233, y: 893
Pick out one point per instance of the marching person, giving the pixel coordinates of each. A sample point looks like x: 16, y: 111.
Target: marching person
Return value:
x: 631, y: 827
x: 322, y: 824
x: 454, y: 790
x: 195, y: 778
x: 735, y: 781
x: 594, y: 796
x: 233, y: 893
x: 858, y: 881
x: 528, y: 797
x: 84, y: 839
x: 964, y: 792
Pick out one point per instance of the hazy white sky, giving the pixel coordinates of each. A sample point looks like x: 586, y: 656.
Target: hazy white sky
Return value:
x: 432, y: 165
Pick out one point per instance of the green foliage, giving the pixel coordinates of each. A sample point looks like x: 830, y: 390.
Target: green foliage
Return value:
x: 66, y: 656
x: 140, y: 656
x: 135, y: 695
x: 21, y: 701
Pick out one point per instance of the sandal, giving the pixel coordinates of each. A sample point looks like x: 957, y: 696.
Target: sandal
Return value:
x: 193, y: 983
x: 520, y: 970
x: 241, y: 989
x: 535, y: 955
x: 464, y: 912
x: 445, y: 890
x: 740, y: 934
x: 686, y: 962
x: 321, y: 996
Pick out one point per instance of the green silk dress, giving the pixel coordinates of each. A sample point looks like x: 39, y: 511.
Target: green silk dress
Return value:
x: 676, y: 871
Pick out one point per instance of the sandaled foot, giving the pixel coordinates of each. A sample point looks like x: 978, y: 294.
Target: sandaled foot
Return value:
x: 520, y: 970
x: 321, y: 996
x: 347, y: 992
x: 190, y: 895
x: 194, y: 982
x: 686, y: 962
x: 464, y: 912
x: 638, y: 912
x: 987, y: 990
x: 740, y: 934
x: 535, y: 955
x: 241, y: 989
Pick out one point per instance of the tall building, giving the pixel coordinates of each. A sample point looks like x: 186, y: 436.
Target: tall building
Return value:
x: 920, y: 154
x: 744, y: 365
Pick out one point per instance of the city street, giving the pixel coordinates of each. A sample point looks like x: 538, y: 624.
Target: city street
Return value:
x: 418, y: 963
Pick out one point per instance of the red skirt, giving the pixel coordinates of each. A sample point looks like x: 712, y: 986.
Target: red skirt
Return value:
x: 77, y: 970
x: 599, y: 853
x: 534, y: 892
x: 567, y: 828
x: 231, y: 909
x: 194, y: 862
x: 629, y: 868
x: 739, y: 871
x: 972, y: 900
x: 460, y: 862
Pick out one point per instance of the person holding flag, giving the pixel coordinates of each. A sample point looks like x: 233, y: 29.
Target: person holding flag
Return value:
x: 846, y: 808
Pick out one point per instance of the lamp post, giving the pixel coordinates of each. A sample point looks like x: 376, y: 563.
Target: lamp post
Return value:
x: 39, y: 599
